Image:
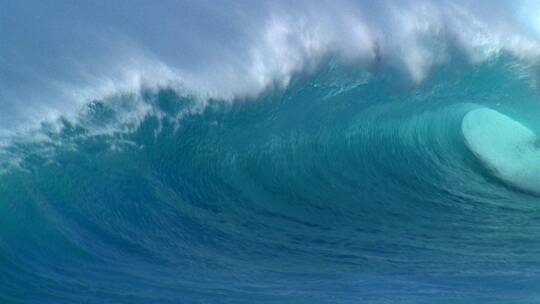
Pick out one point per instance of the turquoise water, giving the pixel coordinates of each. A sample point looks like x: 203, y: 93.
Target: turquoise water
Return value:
x: 212, y: 151
x: 344, y: 187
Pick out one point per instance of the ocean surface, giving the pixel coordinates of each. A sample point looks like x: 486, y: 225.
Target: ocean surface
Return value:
x: 309, y: 172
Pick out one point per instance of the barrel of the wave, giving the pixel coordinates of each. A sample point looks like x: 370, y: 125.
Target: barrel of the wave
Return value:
x: 506, y: 147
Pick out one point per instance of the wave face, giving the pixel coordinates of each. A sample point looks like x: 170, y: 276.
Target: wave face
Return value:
x: 336, y: 189
x: 306, y: 169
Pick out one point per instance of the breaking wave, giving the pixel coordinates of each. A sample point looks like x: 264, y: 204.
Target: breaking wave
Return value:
x: 323, y: 152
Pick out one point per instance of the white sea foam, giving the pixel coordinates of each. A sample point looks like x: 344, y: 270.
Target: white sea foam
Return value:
x: 239, y: 49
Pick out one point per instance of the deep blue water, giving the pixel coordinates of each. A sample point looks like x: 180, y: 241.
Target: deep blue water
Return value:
x: 343, y: 187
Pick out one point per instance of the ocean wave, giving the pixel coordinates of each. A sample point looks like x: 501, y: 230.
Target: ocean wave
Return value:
x: 325, y: 181
x: 330, y: 152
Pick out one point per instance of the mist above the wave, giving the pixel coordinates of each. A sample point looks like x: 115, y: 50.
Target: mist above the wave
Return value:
x: 230, y: 50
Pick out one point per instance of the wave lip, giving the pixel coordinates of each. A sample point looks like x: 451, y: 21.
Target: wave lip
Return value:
x: 505, y: 146
x: 232, y: 55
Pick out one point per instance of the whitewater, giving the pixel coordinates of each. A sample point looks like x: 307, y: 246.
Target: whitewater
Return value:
x: 270, y: 152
